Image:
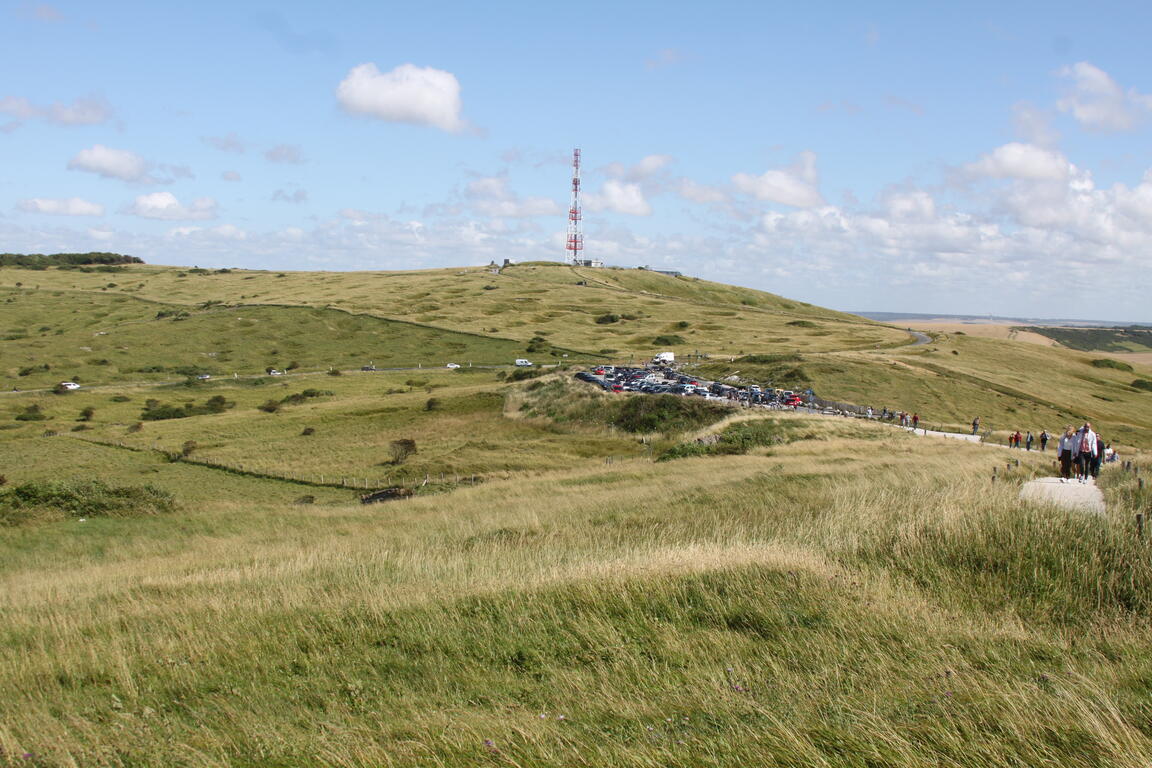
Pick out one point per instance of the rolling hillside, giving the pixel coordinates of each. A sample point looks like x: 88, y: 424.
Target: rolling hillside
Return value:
x: 569, y: 577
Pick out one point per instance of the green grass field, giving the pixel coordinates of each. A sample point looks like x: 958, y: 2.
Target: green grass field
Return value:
x: 576, y: 581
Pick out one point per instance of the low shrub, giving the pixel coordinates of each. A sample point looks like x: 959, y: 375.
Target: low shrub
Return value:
x: 667, y: 340
x: 664, y: 413
x: 521, y: 374
x: 1143, y: 384
x: 31, y: 413
x: 1105, y: 362
x: 607, y: 319
x: 43, y: 501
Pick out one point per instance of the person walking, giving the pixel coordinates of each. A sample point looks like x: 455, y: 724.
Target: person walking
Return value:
x: 1098, y: 456
x: 1064, y: 452
x: 1086, y: 450
x: 1028, y: 442
x: 1044, y: 441
x: 915, y: 420
x: 1016, y: 438
x: 975, y: 425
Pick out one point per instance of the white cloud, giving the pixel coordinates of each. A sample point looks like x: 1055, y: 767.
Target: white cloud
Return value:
x: 620, y: 197
x: 296, y: 196
x: 797, y: 185
x: 44, y: 12
x: 165, y: 206
x: 700, y: 193
x: 111, y: 163
x: 648, y: 167
x: 1034, y: 125
x: 407, y: 94
x: 490, y: 196
x: 285, y: 154
x: 1022, y: 161
x: 227, y: 143
x: 70, y: 206
x: 664, y: 58
x: 86, y: 110
x: 1098, y: 102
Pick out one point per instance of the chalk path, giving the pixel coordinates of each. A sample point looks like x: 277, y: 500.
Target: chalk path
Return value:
x: 1070, y: 495
x: 1085, y: 497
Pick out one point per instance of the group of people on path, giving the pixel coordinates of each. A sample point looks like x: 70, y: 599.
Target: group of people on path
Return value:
x: 1083, y: 449
x: 1016, y: 439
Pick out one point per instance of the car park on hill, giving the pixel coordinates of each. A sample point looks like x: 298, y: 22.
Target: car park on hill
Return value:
x: 661, y: 381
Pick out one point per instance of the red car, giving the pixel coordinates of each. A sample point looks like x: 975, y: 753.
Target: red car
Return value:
x: 793, y: 401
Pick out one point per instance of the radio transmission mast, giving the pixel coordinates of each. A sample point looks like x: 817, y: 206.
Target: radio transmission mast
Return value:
x: 575, y: 237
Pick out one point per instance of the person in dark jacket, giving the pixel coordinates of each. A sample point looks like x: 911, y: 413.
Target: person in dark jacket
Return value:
x: 1044, y: 440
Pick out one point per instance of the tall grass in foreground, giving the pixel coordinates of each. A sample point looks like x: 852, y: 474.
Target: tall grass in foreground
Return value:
x: 829, y: 602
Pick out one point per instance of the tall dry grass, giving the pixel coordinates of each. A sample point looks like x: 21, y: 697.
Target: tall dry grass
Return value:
x: 828, y: 602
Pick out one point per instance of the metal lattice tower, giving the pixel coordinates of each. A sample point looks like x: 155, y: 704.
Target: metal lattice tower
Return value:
x: 575, y: 237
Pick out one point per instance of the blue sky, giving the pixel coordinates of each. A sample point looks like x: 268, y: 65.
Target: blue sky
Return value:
x: 921, y: 157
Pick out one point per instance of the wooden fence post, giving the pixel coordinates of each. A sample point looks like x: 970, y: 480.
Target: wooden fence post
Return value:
x: 1140, y: 524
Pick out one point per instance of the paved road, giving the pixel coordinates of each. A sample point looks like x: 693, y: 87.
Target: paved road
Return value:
x: 921, y: 339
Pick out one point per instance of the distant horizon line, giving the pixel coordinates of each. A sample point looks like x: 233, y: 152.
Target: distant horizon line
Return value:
x: 996, y: 319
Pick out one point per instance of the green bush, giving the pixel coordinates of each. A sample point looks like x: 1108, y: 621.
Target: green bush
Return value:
x: 46, y: 501
x: 520, y: 374
x: 1143, y: 384
x: 769, y: 359
x: 803, y: 324
x: 607, y: 319
x: 667, y: 340
x: 1105, y: 362
x: 165, y: 411
x: 31, y: 413
x: 664, y: 413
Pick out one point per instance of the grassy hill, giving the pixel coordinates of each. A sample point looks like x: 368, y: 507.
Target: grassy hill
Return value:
x: 522, y: 302
x: 575, y: 581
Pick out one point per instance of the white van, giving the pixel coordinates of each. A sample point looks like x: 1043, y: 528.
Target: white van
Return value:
x: 522, y: 363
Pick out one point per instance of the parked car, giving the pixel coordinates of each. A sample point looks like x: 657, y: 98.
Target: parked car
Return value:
x: 452, y: 365
x: 69, y: 385
x: 522, y: 363
x: 367, y: 367
x: 203, y: 377
x: 275, y: 372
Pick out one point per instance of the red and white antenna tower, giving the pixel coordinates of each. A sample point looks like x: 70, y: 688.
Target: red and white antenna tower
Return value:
x: 575, y: 238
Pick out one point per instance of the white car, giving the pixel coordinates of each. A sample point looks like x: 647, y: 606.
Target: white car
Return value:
x: 69, y: 385
x: 203, y: 377
x: 452, y: 365
x: 522, y: 363
x: 275, y: 372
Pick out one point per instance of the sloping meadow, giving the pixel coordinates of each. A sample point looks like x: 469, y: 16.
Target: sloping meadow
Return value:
x: 829, y: 604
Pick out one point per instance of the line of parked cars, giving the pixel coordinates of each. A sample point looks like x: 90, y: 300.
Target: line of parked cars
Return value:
x: 666, y: 381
